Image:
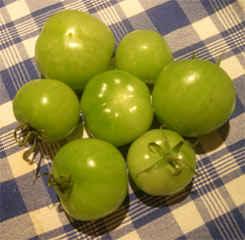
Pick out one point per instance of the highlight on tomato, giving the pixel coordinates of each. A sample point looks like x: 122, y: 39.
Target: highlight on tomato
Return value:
x: 72, y: 47
x: 193, y: 97
x: 161, y: 162
x: 116, y: 107
x: 90, y: 178
x: 143, y: 53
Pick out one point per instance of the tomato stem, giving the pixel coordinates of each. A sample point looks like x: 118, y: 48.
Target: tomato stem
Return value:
x: 175, y: 164
x: 26, y: 136
x: 171, y: 155
x: 177, y: 160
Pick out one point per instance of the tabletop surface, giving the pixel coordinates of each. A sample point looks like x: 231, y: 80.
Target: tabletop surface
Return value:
x: 214, y: 207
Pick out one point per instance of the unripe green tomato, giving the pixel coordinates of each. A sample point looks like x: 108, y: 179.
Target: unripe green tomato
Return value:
x: 161, y: 162
x: 143, y: 53
x: 117, y: 107
x: 72, y: 47
x: 48, y: 106
x: 90, y: 178
x: 193, y: 97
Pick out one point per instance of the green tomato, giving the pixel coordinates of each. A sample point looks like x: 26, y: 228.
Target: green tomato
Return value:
x: 48, y: 106
x: 161, y: 163
x: 116, y: 107
x: 72, y: 47
x: 193, y: 97
x: 90, y: 178
x: 143, y: 53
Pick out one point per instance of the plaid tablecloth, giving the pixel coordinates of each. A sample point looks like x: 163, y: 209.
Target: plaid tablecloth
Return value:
x: 214, y: 209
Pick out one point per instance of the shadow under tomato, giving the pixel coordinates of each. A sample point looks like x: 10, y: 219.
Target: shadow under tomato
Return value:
x: 124, y: 150
x: 211, y: 141
x: 156, y: 124
x: 150, y: 87
x: 160, y: 201
x: 103, y: 225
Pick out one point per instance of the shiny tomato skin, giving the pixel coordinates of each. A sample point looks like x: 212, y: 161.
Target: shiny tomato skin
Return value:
x: 72, y: 47
x: 143, y: 53
x: 49, y: 106
x: 159, y: 179
x: 193, y: 97
x: 117, y: 107
x: 98, y: 175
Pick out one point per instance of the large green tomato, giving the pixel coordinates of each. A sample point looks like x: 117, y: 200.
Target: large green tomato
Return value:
x: 90, y: 178
x: 161, y: 163
x: 143, y: 53
x: 193, y: 97
x: 72, y: 47
x: 48, y: 106
x: 117, y: 107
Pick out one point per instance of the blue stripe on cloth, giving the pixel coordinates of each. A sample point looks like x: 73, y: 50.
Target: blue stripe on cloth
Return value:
x: 209, y: 6
x: 120, y: 29
x: 7, y: 44
x: 43, y: 174
x: 151, y: 216
x: 190, y: 50
x: 239, y: 218
x: 52, y: 233
x: 183, y: 237
x: 8, y: 151
x: 214, y: 231
x: 236, y: 33
x: 237, y: 145
x: 13, y: 78
x: 6, y: 2
x: 202, y: 48
x: 41, y: 15
x: 11, y: 201
x: 168, y: 17
x: 7, y: 26
x: 78, y: 230
x: 14, y: 201
x: 2, y: 152
x: 238, y: 50
x: 94, y: 6
x: 233, y: 229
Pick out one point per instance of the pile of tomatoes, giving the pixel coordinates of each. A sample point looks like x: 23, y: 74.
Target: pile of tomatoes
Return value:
x: 90, y: 85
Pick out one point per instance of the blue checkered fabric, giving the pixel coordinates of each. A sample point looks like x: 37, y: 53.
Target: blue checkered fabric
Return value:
x: 214, y: 207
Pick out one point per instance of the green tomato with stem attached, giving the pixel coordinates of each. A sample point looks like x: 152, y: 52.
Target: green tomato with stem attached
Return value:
x: 90, y: 178
x: 72, y: 47
x: 161, y: 162
x: 48, y: 108
x: 116, y: 107
x: 143, y: 53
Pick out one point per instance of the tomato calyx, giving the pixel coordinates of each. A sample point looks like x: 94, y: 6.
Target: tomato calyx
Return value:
x: 63, y: 184
x: 26, y: 136
x: 166, y: 154
x: 171, y: 156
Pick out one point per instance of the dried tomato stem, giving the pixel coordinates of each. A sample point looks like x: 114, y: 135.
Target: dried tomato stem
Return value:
x: 26, y: 136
